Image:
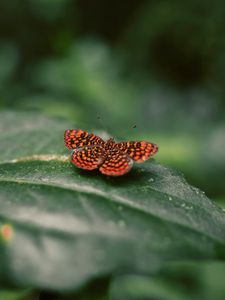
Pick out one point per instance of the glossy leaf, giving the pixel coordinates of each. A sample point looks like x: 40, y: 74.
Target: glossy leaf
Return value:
x: 61, y: 227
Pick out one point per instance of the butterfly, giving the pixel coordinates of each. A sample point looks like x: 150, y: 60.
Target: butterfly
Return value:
x: 114, y: 159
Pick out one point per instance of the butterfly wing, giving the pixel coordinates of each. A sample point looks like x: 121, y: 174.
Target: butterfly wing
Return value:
x: 116, y: 163
x: 138, y: 151
x: 88, y: 158
x: 77, y: 138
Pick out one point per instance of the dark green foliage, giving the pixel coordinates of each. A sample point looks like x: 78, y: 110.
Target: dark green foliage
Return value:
x: 69, y: 226
x: 151, y: 70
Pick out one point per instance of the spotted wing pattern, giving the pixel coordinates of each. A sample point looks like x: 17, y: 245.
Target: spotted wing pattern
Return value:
x: 77, y: 138
x: 138, y: 151
x: 116, y: 163
x: 89, y: 157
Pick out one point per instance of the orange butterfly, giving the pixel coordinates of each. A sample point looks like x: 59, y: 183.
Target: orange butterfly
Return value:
x: 113, y: 159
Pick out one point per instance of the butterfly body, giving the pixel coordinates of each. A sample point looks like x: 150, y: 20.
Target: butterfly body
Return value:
x: 110, y: 144
x: 113, y: 159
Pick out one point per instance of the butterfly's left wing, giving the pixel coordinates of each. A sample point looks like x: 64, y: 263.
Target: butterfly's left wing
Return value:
x: 77, y: 138
x: 138, y: 151
x: 88, y: 158
x: 116, y: 163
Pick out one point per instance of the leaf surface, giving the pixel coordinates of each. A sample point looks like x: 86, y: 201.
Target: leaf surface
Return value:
x: 61, y: 227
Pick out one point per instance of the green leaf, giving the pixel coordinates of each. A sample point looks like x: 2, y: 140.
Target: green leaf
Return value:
x: 16, y: 294
x: 179, y: 281
x: 62, y: 227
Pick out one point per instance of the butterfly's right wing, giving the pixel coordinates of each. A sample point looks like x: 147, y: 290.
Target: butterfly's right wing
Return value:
x: 77, y: 138
x: 89, y: 157
x: 139, y: 151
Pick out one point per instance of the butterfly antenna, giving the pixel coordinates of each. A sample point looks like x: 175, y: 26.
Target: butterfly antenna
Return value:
x: 128, y: 132
x: 102, y: 124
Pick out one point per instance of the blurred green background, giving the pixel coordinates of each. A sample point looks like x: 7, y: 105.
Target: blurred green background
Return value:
x: 138, y: 69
